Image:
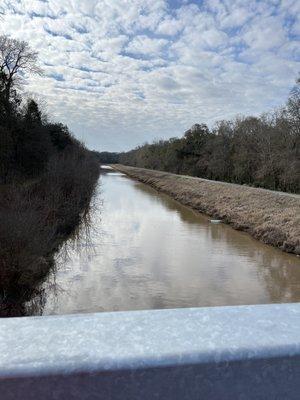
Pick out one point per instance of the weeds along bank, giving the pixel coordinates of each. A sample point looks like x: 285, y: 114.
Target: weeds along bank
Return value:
x: 37, y: 216
x: 268, y: 216
x: 47, y: 181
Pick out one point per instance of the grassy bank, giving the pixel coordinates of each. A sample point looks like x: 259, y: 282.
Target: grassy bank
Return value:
x: 270, y: 217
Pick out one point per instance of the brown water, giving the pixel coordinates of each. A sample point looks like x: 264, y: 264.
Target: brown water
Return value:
x: 146, y: 251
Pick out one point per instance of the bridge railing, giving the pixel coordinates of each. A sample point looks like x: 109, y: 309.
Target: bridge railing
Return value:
x: 245, y: 352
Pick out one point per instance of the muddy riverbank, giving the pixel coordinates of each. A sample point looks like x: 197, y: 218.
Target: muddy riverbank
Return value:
x: 271, y: 217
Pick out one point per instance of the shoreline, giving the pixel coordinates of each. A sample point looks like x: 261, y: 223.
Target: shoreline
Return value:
x: 270, y: 217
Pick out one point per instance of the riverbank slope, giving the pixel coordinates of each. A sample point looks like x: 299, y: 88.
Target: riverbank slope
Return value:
x: 271, y: 217
x: 37, y: 217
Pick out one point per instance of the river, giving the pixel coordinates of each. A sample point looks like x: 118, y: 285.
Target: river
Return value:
x: 146, y: 251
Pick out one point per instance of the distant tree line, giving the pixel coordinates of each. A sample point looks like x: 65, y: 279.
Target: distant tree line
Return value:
x: 107, y: 157
x: 260, y: 151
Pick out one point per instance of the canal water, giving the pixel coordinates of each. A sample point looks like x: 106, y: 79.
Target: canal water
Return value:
x: 144, y: 250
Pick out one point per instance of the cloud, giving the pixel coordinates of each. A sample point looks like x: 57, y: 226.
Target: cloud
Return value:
x: 122, y: 73
x: 169, y: 26
x: 146, y: 46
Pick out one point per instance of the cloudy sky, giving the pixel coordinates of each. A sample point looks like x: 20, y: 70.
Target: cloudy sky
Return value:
x: 122, y: 72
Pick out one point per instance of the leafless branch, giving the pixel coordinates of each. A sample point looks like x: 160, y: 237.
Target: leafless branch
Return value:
x: 16, y: 58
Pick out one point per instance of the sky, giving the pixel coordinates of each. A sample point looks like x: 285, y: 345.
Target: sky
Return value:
x: 121, y: 73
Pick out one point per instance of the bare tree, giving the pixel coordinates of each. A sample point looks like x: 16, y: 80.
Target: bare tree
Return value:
x: 16, y: 58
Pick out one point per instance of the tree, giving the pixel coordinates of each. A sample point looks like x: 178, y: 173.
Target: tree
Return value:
x: 293, y: 107
x: 16, y: 58
x: 32, y: 113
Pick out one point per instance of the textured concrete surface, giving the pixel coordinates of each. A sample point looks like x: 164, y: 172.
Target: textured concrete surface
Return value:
x: 246, y: 352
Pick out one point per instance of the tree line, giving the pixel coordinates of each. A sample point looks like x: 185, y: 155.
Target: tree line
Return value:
x: 28, y: 139
x: 47, y: 182
x: 261, y: 151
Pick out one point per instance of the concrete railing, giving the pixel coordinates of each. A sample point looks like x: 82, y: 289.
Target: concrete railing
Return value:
x: 247, y: 352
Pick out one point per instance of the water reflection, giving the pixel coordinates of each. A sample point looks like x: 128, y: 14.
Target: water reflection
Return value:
x: 25, y: 291
x: 147, y: 251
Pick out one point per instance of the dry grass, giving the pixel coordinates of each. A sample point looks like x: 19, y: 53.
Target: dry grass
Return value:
x: 36, y: 218
x: 270, y: 217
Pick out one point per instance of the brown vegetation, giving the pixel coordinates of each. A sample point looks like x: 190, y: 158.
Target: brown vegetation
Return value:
x: 36, y: 219
x: 271, y: 217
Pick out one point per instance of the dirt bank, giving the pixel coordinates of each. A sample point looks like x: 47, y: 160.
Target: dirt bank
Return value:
x: 271, y: 217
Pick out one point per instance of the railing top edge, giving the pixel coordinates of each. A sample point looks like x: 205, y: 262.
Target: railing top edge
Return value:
x: 145, y: 339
